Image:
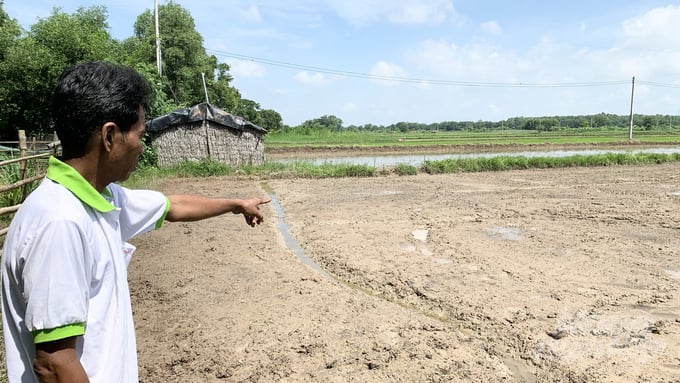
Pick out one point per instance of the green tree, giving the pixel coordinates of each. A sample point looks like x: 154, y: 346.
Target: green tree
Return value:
x: 550, y: 123
x: 28, y: 73
x: 532, y: 124
x: 160, y: 104
x: 220, y: 92
x: 31, y: 64
x: 72, y: 38
x: 9, y: 31
x: 250, y: 110
x: 600, y: 120
x: 649, y: 122
x: 324, y: 122
x: 184, y: 59
x: 271, y: 120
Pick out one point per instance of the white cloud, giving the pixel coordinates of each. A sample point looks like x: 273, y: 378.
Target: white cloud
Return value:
x: 420, y: 12
x: 646, y: 48
x: 478, y: 62
x: 307, y: 78
x: 383, y: 69
x: 360, y: 12
x: 241, y: 69
x: 349, y: 107
x: 492, y: 28
x: 251, y: 14
x: 656, y: 29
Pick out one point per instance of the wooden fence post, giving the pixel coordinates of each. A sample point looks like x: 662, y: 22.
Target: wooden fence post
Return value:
x: 23, y: 165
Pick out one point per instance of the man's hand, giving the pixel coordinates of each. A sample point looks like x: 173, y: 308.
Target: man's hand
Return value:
x: 251, y: 210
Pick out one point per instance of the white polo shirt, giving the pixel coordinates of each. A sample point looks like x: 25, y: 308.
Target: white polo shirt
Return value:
x: 64, y: 273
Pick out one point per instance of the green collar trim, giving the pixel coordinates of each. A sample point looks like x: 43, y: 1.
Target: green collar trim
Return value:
x: 69, y: 178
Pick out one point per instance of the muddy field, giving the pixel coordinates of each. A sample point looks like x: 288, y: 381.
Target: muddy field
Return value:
x: 569, y: 275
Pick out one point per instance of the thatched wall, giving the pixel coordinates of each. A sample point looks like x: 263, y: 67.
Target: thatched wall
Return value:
x: 197, y: 141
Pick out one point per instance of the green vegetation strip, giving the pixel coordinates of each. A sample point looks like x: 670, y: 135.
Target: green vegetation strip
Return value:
x: 325, y: 138
x: 273, y: 170
x: 513, y: 162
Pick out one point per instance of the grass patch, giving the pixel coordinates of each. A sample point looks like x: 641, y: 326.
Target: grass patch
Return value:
x: 304, y: 169
x: 149, y: 177
x: 516, y: 162
x: 405, y: 170
x: 11, y: 173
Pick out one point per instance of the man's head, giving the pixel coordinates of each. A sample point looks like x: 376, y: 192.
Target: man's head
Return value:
x: 90, y: 94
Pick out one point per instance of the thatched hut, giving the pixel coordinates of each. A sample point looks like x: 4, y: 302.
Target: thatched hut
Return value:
x: 206, y: 132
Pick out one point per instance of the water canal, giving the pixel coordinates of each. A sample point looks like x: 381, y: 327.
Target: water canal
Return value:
x: 418, y: 159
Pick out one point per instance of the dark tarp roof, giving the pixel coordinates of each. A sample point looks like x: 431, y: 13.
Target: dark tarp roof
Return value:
x: 199, y: 113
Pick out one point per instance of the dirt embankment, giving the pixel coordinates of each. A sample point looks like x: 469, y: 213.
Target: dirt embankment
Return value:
x: 560, y: 275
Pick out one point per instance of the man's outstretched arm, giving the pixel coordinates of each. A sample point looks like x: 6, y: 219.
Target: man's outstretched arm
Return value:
x: 185, y: 207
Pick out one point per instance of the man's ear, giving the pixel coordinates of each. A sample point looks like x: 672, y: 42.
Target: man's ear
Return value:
x: 107, y: 132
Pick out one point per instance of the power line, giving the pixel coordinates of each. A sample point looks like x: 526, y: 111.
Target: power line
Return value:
x: 422, y: 80
x: 659, y: 84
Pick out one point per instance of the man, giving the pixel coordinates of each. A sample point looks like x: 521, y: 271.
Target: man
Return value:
x: 67, y: 315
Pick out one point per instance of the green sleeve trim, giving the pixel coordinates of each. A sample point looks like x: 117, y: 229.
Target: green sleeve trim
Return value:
x: 160, y: 221
x: 63, y: 332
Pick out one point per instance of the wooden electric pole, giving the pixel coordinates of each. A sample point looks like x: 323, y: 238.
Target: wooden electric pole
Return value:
x: 158, y: 40
x: 632, y: 93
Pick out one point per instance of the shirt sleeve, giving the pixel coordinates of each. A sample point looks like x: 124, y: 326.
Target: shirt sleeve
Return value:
x: 56, y: 274
x: 141, y: 210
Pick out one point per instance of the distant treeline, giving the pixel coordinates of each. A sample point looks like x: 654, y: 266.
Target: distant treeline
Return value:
x: 596, y: 121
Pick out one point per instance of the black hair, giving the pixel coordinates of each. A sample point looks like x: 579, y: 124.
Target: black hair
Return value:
x: 90, y: 94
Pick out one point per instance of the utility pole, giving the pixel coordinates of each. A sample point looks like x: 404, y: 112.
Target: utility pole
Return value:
x: 632, y: 93
x: 205, y: 88
x: 158, y: 41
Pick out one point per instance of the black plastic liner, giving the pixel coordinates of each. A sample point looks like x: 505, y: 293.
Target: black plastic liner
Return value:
x: 199, y: 113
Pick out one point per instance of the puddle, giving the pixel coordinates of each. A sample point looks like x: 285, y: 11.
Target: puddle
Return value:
x: 291, y: 243
x: 407, y: 247
x: 419, y: 159
x: 675, y: 274
x: 506, y: 233
x: 420, y: 235
x: 520, y: 371
x: 656, y: 312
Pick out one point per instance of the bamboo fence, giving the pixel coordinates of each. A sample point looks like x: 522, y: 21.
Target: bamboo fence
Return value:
x: 25, y: 180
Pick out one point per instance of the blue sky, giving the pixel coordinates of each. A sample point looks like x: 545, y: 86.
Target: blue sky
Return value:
x: 386, y: 61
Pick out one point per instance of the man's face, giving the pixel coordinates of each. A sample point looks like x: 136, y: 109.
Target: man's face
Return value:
x: 127, y: 148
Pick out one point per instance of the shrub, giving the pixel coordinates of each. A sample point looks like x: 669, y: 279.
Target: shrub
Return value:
x: 405, y: 170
